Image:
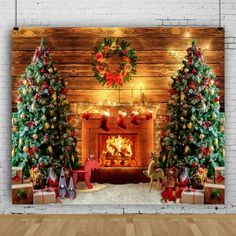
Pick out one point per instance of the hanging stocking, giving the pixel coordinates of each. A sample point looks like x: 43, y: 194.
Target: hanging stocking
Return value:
x: 85, y: 115
x: 121, y: 119
x: 104, y: 119
x: 134, y: 118
x: 148, y: 115
x: 62, y: 184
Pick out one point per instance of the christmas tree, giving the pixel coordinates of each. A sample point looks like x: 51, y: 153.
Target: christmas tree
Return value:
x: 194, y: 136
x: 42, y: 136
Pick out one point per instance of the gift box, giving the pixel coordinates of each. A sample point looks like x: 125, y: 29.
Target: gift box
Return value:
x: 22, y: 193
x: 214, y: 193
x: 210, y: 180
x: 192, y: 196
x: 17, y: 175
x: 44, y: 196
x: 219, y: 175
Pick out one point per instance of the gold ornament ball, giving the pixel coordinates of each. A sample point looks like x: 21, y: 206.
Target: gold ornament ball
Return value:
x: 211, y: 148
x: 186, y: 149
x: 222, y: 128
x: 181, y: 118
x: 30, y: 90
x: 24, y: 91
x: 25, y: 82
x: 52, y: 126
x: 201, y: 136
x: 50, y: 149
x: 20, y: 141
x: 189, y: 125
x: 35, y: 136
x: 211, y: 82
x: 214, y: 116
x: 216, y: 142
x: 186, y: 70
x: 25, y: 149
x: 46, y: 126
x: 184, y: 126
x: 182, y: 96
x: 50, y: 70
x: 212, y: 91
x: 22, y: 116
x: 54, y: 96
x: 223, y: 152
x: 13, y: 152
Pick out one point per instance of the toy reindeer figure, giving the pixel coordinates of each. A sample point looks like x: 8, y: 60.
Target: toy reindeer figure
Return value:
x: 154, y: 173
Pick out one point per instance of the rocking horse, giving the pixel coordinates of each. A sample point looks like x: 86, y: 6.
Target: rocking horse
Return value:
x: 89, y: 165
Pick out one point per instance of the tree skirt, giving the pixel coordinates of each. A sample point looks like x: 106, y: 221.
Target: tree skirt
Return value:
x: 118, y: 194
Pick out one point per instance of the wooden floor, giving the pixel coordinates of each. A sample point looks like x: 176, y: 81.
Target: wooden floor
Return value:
x: 112, y: 225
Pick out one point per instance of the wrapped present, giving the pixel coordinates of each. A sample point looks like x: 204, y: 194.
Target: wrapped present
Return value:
x: 192, y: 196
x: 22, y: 193
x: 17, y: 175
x: 219, y: 175
x: 210, y: 180
x: 214, y: 193
x: 44, y: 196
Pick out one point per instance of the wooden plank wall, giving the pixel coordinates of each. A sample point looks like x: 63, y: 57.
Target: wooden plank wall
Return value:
x: 71, y: 49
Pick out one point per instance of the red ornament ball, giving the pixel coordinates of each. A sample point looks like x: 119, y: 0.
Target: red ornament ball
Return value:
x: 194, y: 165
x: 41, y: 165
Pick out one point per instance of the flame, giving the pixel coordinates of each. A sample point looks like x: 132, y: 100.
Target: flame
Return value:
x: 119, y: 146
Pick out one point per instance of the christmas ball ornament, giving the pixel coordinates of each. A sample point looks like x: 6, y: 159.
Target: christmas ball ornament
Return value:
x: 44, y: 117
x: 50, y: 149
x: 13, y: 152
x: 186, y: 70
x: 20, y: 141
x: 211, y: 149
x: 41, y: 165
x: 182, y: 118
x: 194, y: 165
x: 52, y: 126
x: 54, y: 96
x: 200, y: 97
x: 25, y: 82
x: 35, y: 136
x: 51, y: 112
x: 14, y: 128
x: 30, y: 90
x: 211, y: 82
x: 50, y: 70
x: 189, y: 125
x: 193, y: 117
x: 186, y: 149
x: 223, y: 152
x: 47, y: 125
x: 222, y: 128
x: 22, y: 116
x: 216, y: 142
x: 201, y: 136
x: 212, y: 91
x: 184, y: 126
x: 206, y: 90
x: 36, y: 97
x: 213, y: 116
x: 25, y: 149
x: 54, y: 118
x: 24, y: 91
x: 182, y: 96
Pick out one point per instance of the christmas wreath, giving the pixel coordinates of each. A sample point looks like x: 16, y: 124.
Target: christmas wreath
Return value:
x: 106, y: 49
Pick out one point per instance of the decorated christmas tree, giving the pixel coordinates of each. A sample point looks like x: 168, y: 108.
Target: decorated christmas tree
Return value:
x: 194, y: 136
x: 42, y: 136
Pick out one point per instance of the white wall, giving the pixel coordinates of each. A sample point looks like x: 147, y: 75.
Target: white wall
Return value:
x: 116, y: 13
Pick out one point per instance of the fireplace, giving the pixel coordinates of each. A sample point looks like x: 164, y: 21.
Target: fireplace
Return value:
x: 118, y: 150
x: 130, y: 147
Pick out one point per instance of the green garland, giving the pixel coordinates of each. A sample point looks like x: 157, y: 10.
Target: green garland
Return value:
x: 106, y: 49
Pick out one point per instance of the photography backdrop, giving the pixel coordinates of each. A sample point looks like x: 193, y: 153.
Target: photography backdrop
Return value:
x: 116, y: 13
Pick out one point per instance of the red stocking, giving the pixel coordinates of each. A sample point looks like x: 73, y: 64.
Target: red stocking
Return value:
x: 103, y: 124
x: 134, y: 118
x: 121, y: 120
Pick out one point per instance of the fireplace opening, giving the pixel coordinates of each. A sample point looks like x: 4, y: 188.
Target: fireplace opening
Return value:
x: 118, y: 150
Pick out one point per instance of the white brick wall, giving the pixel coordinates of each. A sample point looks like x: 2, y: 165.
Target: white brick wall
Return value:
x: 117, y: 13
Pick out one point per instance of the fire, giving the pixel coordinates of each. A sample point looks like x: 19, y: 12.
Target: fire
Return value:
x: 118, y: 146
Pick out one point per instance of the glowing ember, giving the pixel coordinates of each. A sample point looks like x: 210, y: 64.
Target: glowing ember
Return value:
x: 118, y: 146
